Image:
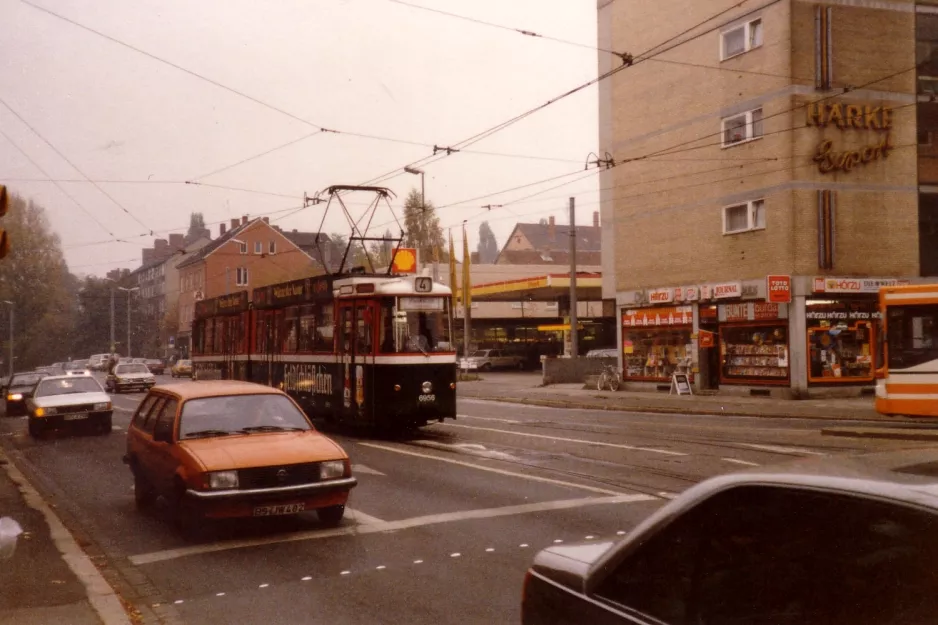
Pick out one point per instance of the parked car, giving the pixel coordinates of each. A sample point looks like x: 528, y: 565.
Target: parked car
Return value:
x: 233, y: 449
x: 20, y: 389
x: 98, y: 362
x: 182, y: 369
x: 129, y: 377
x: 156, y: 366
x: 603, y: 353
x: 68, y: 399
x: 488, y: 359
x: 838, y: 541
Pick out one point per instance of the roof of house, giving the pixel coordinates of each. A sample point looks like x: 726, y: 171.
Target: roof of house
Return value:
x: 551, y: 257
x: 588, y: 238
x: 200, y: 254
x: 306, y: 239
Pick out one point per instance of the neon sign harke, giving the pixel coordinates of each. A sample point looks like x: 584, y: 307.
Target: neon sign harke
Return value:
x: 850, y: 117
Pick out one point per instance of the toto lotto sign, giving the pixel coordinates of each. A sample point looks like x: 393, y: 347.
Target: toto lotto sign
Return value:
x: 778, y: 289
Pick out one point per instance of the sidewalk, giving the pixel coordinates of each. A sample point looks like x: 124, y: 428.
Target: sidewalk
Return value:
x: 523, y: 389
x: 39, y: 584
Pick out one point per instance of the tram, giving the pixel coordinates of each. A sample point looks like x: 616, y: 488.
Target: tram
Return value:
x: 365, y: 349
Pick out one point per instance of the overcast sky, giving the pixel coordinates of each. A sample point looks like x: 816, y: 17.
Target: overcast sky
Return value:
x: 371, y: 67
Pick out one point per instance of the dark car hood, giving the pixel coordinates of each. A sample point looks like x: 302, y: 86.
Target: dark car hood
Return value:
x: 23, y: 390
x: 569, y: 565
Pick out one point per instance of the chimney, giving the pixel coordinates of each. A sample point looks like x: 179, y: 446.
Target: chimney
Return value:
x: 161, y: 249
x: 234, y: 224
x: 244, y: 219
x: 177, y: 242
x: 221, y: 230
x: 294, y: 231
x: 551, y: 228
x: 266, y: 220
x: 595, y: 219
x: 148, y: 255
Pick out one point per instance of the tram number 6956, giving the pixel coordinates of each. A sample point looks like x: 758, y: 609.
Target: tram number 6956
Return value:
x: 426, y: 398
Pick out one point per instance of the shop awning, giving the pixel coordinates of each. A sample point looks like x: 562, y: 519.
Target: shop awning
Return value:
x: 560, y: 327
x: 546, y: 288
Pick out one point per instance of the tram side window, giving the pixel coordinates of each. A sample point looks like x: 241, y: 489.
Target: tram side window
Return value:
x: 324, y: 327
x: 307, y: 324
x: 276, y: 334
x: 290, y: 325
x: 363, y: 330
x: 912, y: 335
x: 260, y: 333
x: 345, y: 318
x: 209, y: 337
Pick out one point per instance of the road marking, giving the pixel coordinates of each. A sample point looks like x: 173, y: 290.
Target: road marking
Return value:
x: 534, y: 478
x: 569, y: 440
x: 360, y: 468
x: 389, y: 526
x: 783, y: 450
x: 745, y: 463
x: 100, y: 593
x: 469, y: 416
x: 472, y: 450
x: 361, y: 518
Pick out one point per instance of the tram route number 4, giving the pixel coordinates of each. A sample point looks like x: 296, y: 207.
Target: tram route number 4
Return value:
x: 680, y: 384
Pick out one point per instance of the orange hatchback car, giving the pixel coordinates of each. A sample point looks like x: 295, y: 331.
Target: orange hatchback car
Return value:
x: 224, y: 449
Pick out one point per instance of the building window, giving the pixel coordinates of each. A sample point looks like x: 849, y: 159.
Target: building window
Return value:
x: 744, y: 217
x: 258, y: 247
x: 742, y: 127
x: 740, y: 39
x: 241, y: 277
x: 244, y: 247
x: 272, y: 248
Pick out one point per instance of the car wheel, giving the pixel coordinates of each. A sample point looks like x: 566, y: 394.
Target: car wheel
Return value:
x: 35, y: 428
x: 331, y: 515
x: 144, y: 493
x: 105, y: 425
x: 486, y: 367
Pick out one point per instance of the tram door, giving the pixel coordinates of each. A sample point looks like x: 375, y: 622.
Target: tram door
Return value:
x: 356, y: 353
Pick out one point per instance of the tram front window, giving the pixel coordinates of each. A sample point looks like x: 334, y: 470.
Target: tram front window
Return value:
x: 415, y: 325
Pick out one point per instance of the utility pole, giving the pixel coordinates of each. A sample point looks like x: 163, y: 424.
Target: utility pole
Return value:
x: 112, y: 321
x: 128, y: 324
x: 573, y: 320
x: 6, y: 301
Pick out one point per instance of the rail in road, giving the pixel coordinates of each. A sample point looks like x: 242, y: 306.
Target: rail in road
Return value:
x: 438, y: 520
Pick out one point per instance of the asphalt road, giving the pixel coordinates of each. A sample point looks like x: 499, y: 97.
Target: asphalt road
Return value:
x: 440, y: 529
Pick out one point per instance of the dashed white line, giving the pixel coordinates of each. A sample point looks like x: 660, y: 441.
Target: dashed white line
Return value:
x: 745, y: 463
x: 558, y: 541
x: 360, y: 468
x: 418, y: 561
x: 568, y: 440
x: 523, y: 545
x: 590, y: 537
x: 263, y: 585
x: 490, y: 549
x: 345, y: 573
x: 455, y: 555
x: 777, y: 449
x: 380, y: 567
x: 219, y: 594
x: 307, y: 578
x: 468, y: 416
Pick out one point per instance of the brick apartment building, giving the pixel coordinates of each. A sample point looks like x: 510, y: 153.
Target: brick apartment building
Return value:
x: 247, y: 254
x: 790, y: 146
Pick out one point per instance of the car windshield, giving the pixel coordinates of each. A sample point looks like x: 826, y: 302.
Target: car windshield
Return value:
x: 67, y: 386
x: 240, y: 414
x: 29, y: 379
x: 184, y: 363
x: 135, y: 368
x: 483, y: 353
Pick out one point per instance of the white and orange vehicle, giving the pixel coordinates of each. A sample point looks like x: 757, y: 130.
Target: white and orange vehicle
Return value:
x: 907, y: 382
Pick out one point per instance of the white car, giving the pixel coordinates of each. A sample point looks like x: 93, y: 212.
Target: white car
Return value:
x: 63, y: 399
x: 488, y: 359
x: 133, y: 376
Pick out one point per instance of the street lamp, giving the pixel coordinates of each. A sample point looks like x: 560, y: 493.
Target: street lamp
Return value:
x: 423, y: 196
x: 128, y: 291
x: 6, y: 301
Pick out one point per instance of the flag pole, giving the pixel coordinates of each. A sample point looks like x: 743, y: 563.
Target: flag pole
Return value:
x: 466, y: 297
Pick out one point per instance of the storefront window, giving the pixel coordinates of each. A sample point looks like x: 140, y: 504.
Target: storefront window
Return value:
x: 754, y: 353
x: 656, y: 354
x: 841, y: 341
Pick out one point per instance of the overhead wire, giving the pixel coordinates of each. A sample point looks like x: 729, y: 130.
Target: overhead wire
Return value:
x: 58, y: 185
x: 71, y: 164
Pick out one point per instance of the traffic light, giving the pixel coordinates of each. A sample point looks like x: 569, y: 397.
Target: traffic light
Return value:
x: 4, y: 242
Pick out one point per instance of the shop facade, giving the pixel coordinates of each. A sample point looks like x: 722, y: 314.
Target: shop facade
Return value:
x: 787, y: 336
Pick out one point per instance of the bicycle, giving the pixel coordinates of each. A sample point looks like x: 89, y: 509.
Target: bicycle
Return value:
x: 610, y: 378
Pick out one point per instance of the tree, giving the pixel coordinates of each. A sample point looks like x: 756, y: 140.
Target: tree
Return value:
x: 35, y: 279
x: 356, y: 254
x: 422, y: 228
x: 488, y: 245
x: 381, y: 251
x: 542, y: 221
x: 196, y: 225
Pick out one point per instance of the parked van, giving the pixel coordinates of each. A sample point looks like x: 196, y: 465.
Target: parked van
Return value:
x: 98, y: 362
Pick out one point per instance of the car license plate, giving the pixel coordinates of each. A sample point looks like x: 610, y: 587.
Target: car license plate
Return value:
x: 290, y: 508
x: 78, y: 416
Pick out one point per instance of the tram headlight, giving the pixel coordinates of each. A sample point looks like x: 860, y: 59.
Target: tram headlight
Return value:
x: 397, y: 387
x: 427, y: 387
x: 452, y: 385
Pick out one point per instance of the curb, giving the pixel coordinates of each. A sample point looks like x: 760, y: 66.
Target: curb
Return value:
x: 101, y: 595
x: 905, y: 434
x: 553, y: 403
